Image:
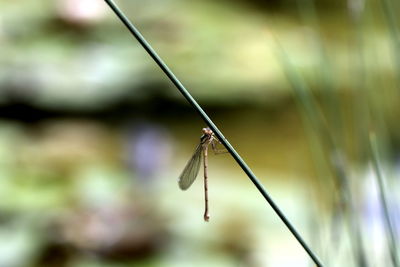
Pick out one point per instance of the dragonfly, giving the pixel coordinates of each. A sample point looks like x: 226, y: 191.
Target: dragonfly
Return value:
x: 192, y: 168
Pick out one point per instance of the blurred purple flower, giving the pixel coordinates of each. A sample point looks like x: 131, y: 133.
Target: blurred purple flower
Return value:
x: 148, y: 150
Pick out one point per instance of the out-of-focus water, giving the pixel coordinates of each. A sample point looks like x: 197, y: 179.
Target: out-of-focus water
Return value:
x: 112, y: 189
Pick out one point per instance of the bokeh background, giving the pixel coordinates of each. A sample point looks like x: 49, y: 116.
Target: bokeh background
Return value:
x: 93, y: 136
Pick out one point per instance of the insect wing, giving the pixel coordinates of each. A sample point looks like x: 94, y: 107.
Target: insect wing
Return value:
x: 191, y: 169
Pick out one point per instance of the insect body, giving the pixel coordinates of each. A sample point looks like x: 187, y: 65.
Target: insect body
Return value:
x: 192, y: 168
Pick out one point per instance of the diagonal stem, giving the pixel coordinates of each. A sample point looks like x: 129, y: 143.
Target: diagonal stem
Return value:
x: 383, y: 199
x: 213, y: 127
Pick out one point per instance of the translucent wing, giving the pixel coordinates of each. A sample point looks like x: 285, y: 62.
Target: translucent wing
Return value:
x: 191, y: 169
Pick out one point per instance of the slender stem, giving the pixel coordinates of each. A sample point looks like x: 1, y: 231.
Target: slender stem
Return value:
x: 383, y: 198
x: 213, y: 127
x: 389, y: 11
x: 206, y: 214
x: 315, y: 119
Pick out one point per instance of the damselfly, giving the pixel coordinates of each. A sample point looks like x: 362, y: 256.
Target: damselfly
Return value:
x: 192, y: 168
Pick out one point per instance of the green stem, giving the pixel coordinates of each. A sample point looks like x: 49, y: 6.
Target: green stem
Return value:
x: 383, y: 200
x: 213, y: 127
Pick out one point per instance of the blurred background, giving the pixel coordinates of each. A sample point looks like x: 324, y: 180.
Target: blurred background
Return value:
x: 93, y: 136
